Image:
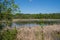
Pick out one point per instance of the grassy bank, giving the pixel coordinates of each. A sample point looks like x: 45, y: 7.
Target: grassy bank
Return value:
x: 50, y: 32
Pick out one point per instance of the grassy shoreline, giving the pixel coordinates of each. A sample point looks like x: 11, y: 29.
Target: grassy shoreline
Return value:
x: 50, y: 32
x: 14, y: 20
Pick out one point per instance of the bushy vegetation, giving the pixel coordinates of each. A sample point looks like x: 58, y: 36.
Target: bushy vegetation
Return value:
x: 8, y: 34
x: 37, y: 16
x: 7, y: 8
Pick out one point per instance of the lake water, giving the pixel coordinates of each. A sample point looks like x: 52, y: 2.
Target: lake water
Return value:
x: 34, y: 23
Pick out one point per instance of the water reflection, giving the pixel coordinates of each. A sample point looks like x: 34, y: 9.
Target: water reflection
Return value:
x: 28, y: 23
x: 33, y: 23
x: 25, y: 25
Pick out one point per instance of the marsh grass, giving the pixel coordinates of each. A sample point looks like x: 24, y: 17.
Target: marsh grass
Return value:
x: 56, y: 35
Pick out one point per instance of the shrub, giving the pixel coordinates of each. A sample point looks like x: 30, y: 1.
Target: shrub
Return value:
x: 8, y: 34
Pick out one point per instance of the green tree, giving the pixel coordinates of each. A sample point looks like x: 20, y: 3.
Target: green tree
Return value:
x: 7, y: 8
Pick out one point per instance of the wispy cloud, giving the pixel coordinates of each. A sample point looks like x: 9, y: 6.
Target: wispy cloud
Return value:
x: 30, y: 0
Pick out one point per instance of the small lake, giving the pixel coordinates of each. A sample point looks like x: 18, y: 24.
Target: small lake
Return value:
x: 33, y: 23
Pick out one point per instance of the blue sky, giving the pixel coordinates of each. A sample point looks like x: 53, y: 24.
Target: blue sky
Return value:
x: 39, y: 6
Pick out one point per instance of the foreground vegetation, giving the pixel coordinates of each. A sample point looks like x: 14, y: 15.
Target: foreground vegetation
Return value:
x: 51, y: 32
x: 8, y: 34
x: 7, y: 7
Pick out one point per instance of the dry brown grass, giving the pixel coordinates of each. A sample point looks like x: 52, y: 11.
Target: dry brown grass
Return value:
x: 51, y: 31
x: 35, y: 33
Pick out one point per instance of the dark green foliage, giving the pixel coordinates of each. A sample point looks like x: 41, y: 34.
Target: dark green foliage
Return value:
x: 1, y: 26
x: 7, y: 7
x: 8, y: 34
x: 37, y: 16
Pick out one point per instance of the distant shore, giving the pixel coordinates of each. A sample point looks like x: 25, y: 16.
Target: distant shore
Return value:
x: 14, y: 20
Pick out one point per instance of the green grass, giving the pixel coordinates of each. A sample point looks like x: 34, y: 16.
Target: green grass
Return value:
x: 8, y: 34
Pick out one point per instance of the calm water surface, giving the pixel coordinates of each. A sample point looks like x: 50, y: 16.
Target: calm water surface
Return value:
x: 33, y: 24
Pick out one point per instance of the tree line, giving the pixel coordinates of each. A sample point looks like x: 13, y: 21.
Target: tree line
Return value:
x: 37, y: 16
